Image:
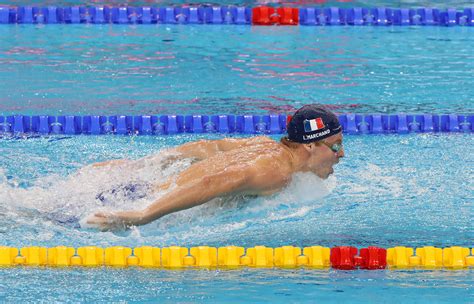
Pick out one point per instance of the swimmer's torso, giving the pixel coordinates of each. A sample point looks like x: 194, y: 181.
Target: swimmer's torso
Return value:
x: 261, y: 155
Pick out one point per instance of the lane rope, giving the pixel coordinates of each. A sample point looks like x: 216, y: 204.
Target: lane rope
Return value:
x: 342, y: 257
x: 243, y: 124
x: 238, y: 15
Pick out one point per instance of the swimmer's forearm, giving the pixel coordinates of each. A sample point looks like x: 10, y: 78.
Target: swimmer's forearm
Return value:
x: 175, y: 202
x: 188, y: 196
x: 164, y: 206
x: 131, y: 218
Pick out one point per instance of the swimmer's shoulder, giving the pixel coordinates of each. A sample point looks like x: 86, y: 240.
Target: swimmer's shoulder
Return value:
x: 261, y: 139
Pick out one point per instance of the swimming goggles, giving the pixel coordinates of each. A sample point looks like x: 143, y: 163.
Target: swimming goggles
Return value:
x: 334, y: 147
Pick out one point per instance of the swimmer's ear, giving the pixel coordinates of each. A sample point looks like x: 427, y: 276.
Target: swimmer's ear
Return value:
x: 309, y: 147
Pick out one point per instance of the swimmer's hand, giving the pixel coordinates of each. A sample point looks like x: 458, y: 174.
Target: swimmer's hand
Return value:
x: 105, y: 221
x: 112, y: 221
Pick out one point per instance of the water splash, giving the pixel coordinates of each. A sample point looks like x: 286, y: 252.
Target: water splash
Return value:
x: 59, y: 205
x: 64, y: 200
x: 226, y: 218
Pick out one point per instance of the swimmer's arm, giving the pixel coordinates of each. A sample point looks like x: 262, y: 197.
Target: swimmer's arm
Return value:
x: 188, y: 196
x: 114, y: 162
x: 203, y: 149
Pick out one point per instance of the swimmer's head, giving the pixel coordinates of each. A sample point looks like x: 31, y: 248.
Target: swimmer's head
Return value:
x: 312, y: 123
x: 316, y: 130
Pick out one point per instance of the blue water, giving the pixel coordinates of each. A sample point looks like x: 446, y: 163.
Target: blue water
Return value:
x: 250, y: 285
x: 84, y: 69
x: 390, y: 190
x: 412, y: 190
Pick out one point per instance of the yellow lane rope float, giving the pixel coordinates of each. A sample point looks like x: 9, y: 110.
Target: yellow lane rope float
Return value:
x: 343, y: 257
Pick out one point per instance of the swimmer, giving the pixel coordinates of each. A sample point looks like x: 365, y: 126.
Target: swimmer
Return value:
x: 248, y: 166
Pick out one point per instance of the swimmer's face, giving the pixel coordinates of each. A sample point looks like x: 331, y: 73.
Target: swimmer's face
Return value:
x: 323, y: 158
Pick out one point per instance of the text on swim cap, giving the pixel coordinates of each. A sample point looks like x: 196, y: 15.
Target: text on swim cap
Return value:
x: 316, y: 135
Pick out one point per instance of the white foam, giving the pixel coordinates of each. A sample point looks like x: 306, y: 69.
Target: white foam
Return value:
x: 76, y: 195
x: 231, y: 215
x: 372, y: 180
x: 55, y: 198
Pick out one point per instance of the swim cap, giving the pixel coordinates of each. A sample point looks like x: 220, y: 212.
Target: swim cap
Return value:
x: 312, y: 123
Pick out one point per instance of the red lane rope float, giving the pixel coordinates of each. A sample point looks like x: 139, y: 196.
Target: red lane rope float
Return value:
x: 265, y: 15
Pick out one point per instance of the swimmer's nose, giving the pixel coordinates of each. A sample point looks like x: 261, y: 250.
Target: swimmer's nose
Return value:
x: 340, y: 153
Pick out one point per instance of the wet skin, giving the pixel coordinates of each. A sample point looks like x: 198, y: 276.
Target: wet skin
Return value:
x: 251, y: 166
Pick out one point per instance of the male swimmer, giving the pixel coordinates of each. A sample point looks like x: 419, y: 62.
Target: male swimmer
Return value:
x: 249, y: 166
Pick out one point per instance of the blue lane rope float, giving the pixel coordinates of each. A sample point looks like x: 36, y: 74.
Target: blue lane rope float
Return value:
x: 227, y: 124
x: 262, y: 15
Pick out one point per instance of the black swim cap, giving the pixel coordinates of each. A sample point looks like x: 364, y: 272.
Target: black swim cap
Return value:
x: 312, y: 123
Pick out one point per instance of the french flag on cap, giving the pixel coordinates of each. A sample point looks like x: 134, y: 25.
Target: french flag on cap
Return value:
x: 313, y: 124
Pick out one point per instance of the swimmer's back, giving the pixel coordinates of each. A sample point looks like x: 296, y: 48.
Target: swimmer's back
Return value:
x: 264, y: 160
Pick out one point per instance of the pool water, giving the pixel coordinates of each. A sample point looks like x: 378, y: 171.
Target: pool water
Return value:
x: 412, y: 190
x: 256, y: 286
x: 113, y: 69
x: 391, y: 190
